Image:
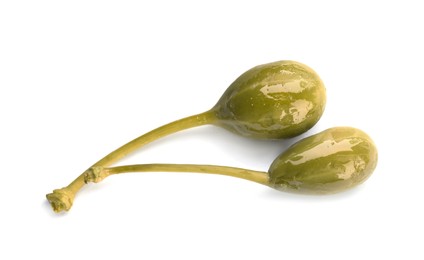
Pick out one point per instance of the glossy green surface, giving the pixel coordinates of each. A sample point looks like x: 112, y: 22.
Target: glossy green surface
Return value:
x: 276, y: 100
x: 334, y: 160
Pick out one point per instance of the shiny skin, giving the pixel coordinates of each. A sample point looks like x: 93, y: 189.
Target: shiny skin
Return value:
x: 272, y: 101
x: 331, y: 161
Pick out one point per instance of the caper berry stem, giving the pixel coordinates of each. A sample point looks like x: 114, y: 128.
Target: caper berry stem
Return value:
x: 97, y: 174
x: 62, y: 199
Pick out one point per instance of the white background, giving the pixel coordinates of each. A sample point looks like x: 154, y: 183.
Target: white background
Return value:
x: 80, y: 78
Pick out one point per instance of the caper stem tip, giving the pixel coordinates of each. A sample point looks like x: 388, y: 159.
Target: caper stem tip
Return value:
x: 61, y: 199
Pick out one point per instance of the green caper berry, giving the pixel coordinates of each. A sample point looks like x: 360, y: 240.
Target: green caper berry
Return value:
x: 334, y: 160
x: 276, y: 100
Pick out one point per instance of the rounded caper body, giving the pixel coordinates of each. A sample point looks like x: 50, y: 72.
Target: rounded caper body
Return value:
x: 272, y: 101
x: 331, y: 161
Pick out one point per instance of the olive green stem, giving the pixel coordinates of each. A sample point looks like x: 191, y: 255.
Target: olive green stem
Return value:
x: 62, y: 199
x: 97, y: 174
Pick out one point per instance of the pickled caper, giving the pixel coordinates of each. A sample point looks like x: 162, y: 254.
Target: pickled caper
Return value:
x: 276, y: 100
x: 331, y: 161
x: 334, y: 160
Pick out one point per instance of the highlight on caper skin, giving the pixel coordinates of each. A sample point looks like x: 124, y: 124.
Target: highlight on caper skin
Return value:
x: 332, y: 161
x: 275, y: 100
